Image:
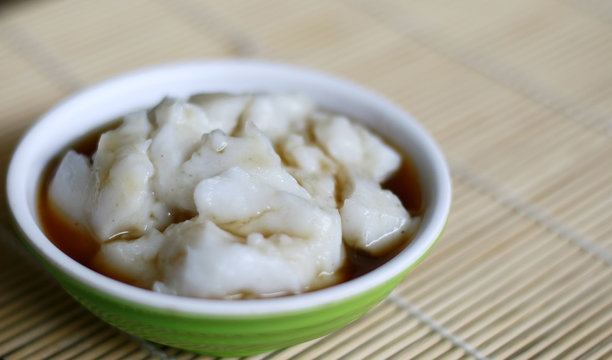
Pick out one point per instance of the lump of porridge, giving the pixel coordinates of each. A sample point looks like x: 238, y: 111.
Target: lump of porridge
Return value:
x: 224, y: 196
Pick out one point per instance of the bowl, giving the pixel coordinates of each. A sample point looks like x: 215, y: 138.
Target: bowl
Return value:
x: 222, y: 327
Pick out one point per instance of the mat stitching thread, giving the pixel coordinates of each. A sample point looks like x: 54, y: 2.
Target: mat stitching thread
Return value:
x: 431, y: 322
x: 470, y: 177
x: 43, y: 57
x: 152, y: 348
x: 239, y: 43
x: 595, y: 10
x: 500, y: 73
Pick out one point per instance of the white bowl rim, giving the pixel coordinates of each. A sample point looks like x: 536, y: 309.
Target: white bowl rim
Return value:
x: 433, y: 222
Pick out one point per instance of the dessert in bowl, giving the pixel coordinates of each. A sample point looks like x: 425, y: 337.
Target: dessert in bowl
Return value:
x: 227, y: 323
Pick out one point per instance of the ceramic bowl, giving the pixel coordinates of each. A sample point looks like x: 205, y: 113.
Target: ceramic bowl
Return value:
x: 222, y: 327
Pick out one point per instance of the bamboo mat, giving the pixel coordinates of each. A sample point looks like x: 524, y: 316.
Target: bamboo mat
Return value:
x: 517, y: 93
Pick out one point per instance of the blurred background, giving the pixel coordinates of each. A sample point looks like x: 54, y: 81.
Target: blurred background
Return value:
x: 517, y: 93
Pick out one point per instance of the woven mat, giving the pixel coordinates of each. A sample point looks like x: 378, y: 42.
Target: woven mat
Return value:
x: 517, y: 93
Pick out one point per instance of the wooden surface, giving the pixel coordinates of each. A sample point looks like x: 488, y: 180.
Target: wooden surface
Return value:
x: 517, y: 93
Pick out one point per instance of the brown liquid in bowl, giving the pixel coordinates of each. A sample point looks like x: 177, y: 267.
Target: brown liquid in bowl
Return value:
x: 77, y: 243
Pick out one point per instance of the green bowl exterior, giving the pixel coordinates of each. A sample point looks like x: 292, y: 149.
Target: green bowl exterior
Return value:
x: 227, y: 336
x: 224, y: 335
